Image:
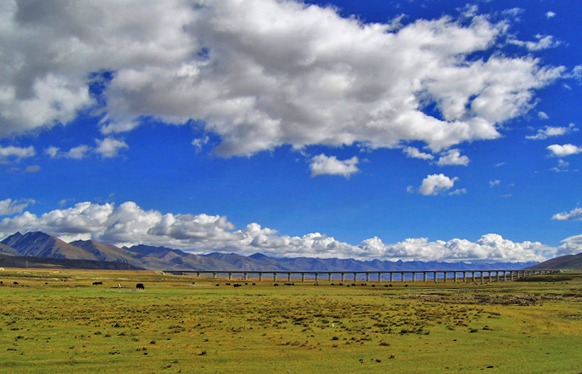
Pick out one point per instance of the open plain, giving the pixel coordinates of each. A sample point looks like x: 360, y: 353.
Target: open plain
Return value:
x: 57, y: 321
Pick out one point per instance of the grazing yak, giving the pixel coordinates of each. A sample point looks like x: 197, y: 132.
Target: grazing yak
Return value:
x: 140, y: 286
x: 97, y: 283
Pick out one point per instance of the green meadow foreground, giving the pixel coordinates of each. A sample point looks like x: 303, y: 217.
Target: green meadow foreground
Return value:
x: 59, y: 322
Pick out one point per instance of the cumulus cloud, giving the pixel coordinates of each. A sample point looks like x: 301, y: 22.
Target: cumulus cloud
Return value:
x: 490, y: 247
x: 9, y: 206
x: 564, y: 150
x: 413, y: 152
x: 262, y: 74
x: 571, y: 246
x: 11, y: 152
x: 550, y: 14
x: 109, y: 147
x: 75, y: 153
x: 550, y: 131
x: 543, y: 42
x: 573, y: 215
x: 561, y: 167
x: 453, y: 157
x: 494, y: 183
x: 543, y: 115
x: 436, y: 184
x: 324, y: 165
x: 106, y: 148
x: 129, y: 224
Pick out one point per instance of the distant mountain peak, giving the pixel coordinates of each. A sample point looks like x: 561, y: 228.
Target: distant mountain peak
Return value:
x: 12, y: 238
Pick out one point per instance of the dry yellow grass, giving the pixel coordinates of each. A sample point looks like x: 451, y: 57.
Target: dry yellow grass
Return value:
x: 49, y: 324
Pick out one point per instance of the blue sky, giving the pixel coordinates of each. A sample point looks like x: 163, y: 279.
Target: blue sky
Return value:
x: 413, y: 130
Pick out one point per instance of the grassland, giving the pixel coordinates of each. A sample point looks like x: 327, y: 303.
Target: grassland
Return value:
x: 58, y: 322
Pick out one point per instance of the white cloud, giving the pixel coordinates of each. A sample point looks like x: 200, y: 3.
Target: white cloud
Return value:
x: 494, y: 183
x: 324, y: 165
x: 106, y: 148
x: 11, y: 152
x: 513, y: 12
x: 491, y: 247
x: 543, y: 115
x: 550, y: 131
x: 200, y: 142
x: 413, y: 152
x: 52, y: 151
x: 265, y: 73
x: 453, y: 157
x: 571, y: 246
x: 436, y: 184
x: 564, y: 150
x: 543, y: 42
x: 561, y: 167
x: 75, y: 153
x: 109, y: 147
x: 550, y: 14
x: 9, y: 206
x: 573, y: 215
x: 128, y: 224
x: 460, y: 191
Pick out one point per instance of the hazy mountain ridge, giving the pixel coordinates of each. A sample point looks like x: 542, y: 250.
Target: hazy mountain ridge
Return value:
x: 43, y: 245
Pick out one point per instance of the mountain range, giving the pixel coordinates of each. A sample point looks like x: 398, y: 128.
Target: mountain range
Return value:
x: 39, y: 245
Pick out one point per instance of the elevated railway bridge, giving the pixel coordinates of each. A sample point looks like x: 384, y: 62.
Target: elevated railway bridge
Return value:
x: 368, y: 276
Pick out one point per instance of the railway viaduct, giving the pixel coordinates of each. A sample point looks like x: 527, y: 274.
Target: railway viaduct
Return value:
x: 369, y: 276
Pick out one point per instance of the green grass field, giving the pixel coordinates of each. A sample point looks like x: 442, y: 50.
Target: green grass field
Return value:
x: 58, y: 322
